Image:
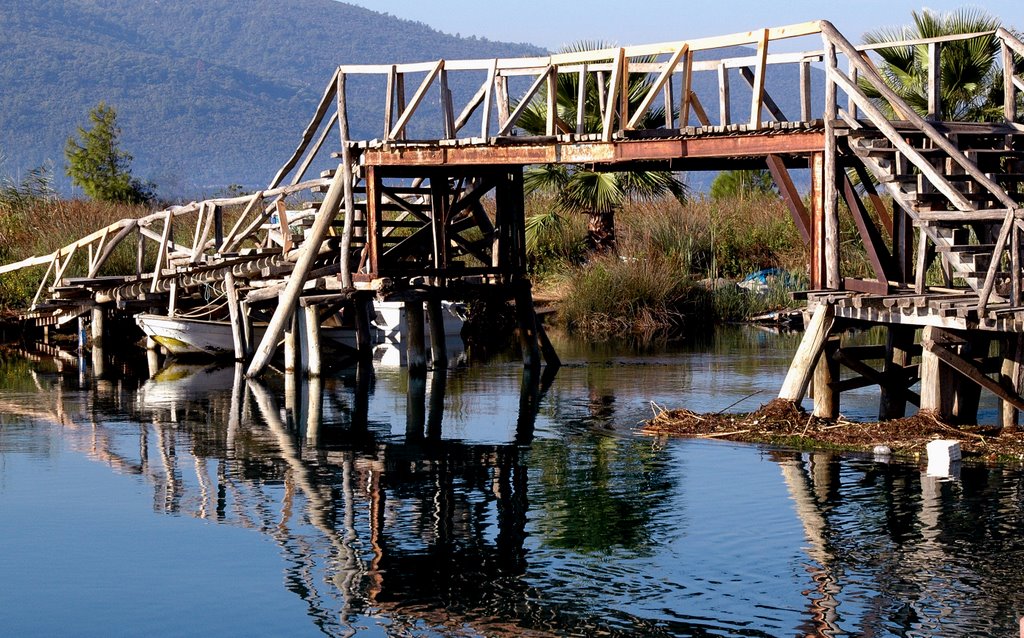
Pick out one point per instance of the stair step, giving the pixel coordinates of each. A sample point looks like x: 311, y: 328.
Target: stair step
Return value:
x: 967, y: 248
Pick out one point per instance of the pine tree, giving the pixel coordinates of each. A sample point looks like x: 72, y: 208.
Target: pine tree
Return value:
x: 98, y: 166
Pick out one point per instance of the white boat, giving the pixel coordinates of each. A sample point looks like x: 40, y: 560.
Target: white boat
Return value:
x: 183, y: 336
x: 187, y: 336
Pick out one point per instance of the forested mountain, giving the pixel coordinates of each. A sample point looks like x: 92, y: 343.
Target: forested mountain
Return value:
x: 208, y: 92
x: 214, y: 92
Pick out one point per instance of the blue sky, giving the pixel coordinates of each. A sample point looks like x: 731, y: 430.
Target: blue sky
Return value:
x: 552, y: 23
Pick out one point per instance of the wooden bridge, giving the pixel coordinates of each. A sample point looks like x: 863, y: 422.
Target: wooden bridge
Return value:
x: 443, y: 216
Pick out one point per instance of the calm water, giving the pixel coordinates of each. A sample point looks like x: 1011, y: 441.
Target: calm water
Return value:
x: 482, y: 503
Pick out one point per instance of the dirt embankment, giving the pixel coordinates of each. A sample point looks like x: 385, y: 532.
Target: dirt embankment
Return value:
x: 780, y: 422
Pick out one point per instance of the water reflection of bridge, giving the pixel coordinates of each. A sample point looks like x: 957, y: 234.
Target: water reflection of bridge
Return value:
x: 432, y: 532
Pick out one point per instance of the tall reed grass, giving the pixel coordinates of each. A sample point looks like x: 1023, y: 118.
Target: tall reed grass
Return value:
x: 666, y: 277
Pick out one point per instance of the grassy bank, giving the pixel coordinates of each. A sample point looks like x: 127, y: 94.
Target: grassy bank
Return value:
x: 676, y: 265
x: 34, y: 221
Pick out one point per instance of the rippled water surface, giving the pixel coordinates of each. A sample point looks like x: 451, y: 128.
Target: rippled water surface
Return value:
x: 477, y: 502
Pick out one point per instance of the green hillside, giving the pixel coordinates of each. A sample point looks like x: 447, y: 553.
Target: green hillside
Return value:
x: 208, y: 93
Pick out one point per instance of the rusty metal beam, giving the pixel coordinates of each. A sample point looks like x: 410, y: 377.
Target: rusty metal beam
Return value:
x: 617, y: 151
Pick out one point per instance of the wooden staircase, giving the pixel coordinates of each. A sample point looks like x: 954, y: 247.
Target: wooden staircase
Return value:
x: 962, y: 229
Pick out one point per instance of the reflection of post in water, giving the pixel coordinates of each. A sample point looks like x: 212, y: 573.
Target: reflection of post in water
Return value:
x: 531, y: 391
x: 438, y: 388
x: 808, y: 492
x: 320, y: 503
x: 361, y: 400
x: 415, y: 405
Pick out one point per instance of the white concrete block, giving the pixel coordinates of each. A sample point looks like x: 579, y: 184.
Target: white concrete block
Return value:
x: 943, y: 455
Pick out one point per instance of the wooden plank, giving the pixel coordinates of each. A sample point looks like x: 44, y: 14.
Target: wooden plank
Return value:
x: 389, y: 104
x: 790, y: 195
x: 878, y: 254
x: 767, y: 100
x: 724, y: 115
x: 551, y: 123
x: 307, y: 135
x: 805, y: 91
x: 109, y: 248
x: 1009, y: 89
x: 656, y: 87
x: 993, y: 268
x: 607, y: 128
x: 686, y: 92
x: 698, y: 110
x: 817, y: 222
x: 829, y: 178
x: 282, y: 223
x: 581, y: 100
x: 329, y: 209
x: 417, y: 97
x: 307, y: 253
x: 524, y: 102
x: 447, y: 109
x: 161, y: 253
x: 488, y: 101
x: 934, y: 87
x: 757, y: 98
x: 502, y: 99
x: 877, y: 203
x: 802, y: 367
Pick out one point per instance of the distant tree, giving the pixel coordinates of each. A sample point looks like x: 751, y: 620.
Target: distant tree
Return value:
x: 741, y: 184
x: 97, y: 164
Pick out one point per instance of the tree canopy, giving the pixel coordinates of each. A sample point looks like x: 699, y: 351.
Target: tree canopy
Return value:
x: 971, y: 80
x: 99, y: 166
x: 580, y: 190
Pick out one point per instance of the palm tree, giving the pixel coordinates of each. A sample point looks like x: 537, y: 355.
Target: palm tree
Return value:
x: 971, y: 80
x: 581, y: 190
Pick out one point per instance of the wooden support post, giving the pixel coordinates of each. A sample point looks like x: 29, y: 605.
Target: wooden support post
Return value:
x: 161, y: 253
x: 826, y: 374
x: 247, y: 333
x: 438, y: 347
x: 829, y: 175
x: 416, y: 349
x: 903, y: 244
x: 967, y: 395
x: 311, y: 362
x: 1009, y: 88
x: 98, y: 327
x: 440, y: 197
x: 1011, y: 377
x: 817, y: 221
x: 314, y: 411
x: 218, y: 228
x: 802, y: 367
x: 936, y: 377
x: 291, y: 345
x: 934, y: 81
x: 364, y: 340
x: 893, y: 397
x: 526, y: 318
x: 235, y: 316
x: 307, y: 254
